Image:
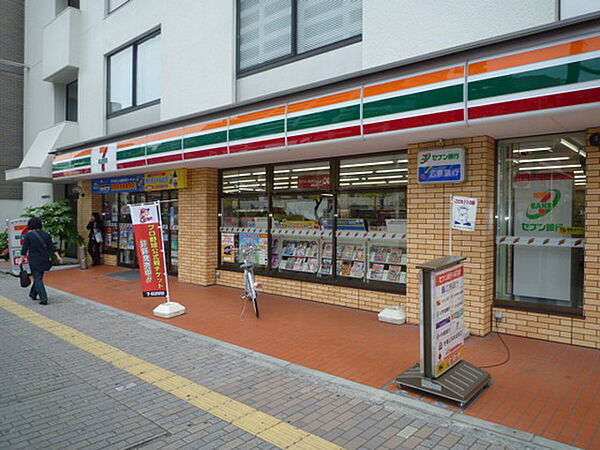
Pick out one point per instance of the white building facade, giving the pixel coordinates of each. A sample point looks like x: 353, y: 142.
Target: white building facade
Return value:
x: 302, y: 123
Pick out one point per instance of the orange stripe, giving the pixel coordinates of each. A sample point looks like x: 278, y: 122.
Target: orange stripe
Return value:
x: 533, y: 56
x: 132, y: 142
x: 165, y: 135
x: 419, y: 80
x: 205, y: 126
x: 324, y: 101
x: 280, y: 110
x: 67, y: 156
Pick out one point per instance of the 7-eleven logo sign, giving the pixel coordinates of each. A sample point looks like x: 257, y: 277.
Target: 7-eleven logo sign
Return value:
x: 104, y: 158
x: 543, y: 204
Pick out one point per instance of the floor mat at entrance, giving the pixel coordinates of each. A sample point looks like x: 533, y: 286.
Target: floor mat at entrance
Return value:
x: 127, y: 275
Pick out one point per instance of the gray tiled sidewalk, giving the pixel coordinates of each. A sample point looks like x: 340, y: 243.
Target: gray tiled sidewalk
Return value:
x: 54, y: 395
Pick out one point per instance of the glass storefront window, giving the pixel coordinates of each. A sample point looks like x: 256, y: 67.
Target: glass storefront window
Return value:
x: 378, y: 171
x: 244, y: 181
x: 541, y: 222
x: 362, y: 242
x: 306, y: 176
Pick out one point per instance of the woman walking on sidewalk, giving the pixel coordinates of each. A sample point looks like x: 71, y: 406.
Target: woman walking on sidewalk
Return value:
x: 96, y: 237
x: 40, y: 247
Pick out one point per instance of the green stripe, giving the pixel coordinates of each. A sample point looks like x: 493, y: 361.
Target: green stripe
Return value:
x: 206, y: 139
x: 263, y: 129
x: 168, y: 146
x: 72, y: 164
x: 131, y: 153
x: 323, y: 118
x: 561, y: 75
x: 419, y: 100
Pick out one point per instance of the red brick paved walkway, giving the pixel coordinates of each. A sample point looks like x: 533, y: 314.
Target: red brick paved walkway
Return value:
x: 549, y: 389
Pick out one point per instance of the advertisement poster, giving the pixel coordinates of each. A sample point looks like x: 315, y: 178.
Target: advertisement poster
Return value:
x: 131, y: 183
x: 151, y: 257
x: 314, y: 181
x: 17, y: 228
x: 447, y: 318
x: 165, y: 180
x: 257, y: 243
x: 442, y: 166
x: 464, y: 213
x: 228, y: 247
x: 543, y: 206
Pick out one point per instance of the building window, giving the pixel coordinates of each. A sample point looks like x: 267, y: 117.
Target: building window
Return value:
x: 574, y: 8
x: 276, y: 31
x: 115, y: 4
x: 73, y: 3
x: 336, y: 220
x: 71, y: 101
x: 541, y: 223
x: 134, y: 75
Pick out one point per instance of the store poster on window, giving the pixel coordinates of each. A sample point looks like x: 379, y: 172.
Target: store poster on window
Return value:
x: 447, y: 318
x: 257, y: 244
x: 464, y: 213
x: 543, y: 205
x: 151, y: 256
x: 228, y: 247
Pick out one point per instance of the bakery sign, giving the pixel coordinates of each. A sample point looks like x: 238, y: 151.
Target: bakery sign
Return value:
x: 445, y: 165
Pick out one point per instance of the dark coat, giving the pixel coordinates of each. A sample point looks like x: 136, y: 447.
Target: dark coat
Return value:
x: 95, y: 224
x: 39, y: 257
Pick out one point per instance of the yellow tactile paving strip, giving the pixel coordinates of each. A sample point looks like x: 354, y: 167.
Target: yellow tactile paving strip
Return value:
x: 268, y: 428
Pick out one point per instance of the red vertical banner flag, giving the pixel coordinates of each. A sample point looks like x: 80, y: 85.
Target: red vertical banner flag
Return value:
x: 151, y: 256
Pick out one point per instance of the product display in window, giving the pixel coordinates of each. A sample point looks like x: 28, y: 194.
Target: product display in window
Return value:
x: 386, y: 263
x: 296, y: 255
x: 351, y: 258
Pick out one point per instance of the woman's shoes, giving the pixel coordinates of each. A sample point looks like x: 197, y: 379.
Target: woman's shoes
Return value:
x: 32, y: 297
x: 43, y: 303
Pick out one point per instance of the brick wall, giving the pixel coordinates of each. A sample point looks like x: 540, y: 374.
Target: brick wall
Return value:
x: 322, y: 293
x: 87, y: 203
x: 198, y: 227
x: 428, y: 228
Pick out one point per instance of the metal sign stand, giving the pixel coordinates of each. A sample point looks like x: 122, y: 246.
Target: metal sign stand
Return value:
x: 462, y: 381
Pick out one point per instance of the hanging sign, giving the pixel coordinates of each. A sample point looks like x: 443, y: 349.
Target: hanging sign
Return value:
x: 228, y: 247
x: 151, y: 256
x: 447, y: 318
x: 464, y: 213
x: 17, y: 228
x: 130, y: 183
x: 314, y: 181
x: 442, y: 166
x: 168, y: 179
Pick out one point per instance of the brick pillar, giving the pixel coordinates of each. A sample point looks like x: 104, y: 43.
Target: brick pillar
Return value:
x: 198, y: 208
x: 587, y: 331
x: 87, y: 203
x: 428, y: 228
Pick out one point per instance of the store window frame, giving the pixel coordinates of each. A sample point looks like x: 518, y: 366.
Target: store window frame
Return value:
x: 334, y: 191
x: 294, y: 55
x: 134, y: 71
x: 71, y: 114
x: 503, y: 183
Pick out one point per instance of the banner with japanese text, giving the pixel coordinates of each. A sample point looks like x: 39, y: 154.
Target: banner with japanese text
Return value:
x: 151, y: 257
x: 543, y: 206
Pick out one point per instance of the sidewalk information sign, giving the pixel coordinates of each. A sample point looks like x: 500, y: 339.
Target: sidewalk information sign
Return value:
x: 17, y: 228
x: 441, y: 370
x: 147, y: 227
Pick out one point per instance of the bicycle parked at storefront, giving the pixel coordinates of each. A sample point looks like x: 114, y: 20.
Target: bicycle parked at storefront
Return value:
x: 250, y: 284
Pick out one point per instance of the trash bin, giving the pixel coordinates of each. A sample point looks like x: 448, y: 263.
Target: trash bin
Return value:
x: 82, y: 257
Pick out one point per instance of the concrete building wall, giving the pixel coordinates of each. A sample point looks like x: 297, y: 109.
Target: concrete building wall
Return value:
x: 11, y: 104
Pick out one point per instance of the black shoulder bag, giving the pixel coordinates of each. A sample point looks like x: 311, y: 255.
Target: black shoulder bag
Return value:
x: 45, y: 248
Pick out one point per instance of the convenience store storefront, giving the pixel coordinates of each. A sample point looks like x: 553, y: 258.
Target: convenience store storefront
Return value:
x: 116, y: 193
x: 326, y: 188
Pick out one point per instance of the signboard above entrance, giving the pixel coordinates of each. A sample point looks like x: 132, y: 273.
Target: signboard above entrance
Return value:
x: 155, y: 181
x: 445, y: 165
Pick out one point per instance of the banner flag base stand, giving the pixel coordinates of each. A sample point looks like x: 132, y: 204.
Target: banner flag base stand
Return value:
x: 168, y: 310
